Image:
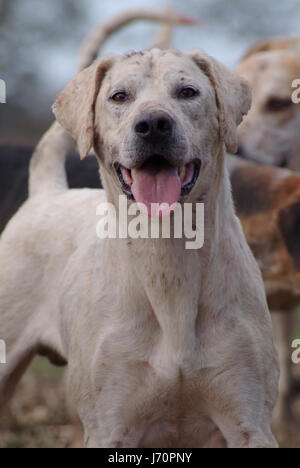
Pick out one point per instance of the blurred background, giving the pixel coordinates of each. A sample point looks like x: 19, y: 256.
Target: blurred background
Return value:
x: 40, y: 41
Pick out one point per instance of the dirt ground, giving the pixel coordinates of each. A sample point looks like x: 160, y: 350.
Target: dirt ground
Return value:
x: 39, y: 417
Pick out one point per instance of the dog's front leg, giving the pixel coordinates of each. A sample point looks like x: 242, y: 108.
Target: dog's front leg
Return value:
x: 241, y: 398
x: 241, y: 392
x: 241, y: 407
x: 244, y: 434
x: 106, y: 436
x: 120, y: 442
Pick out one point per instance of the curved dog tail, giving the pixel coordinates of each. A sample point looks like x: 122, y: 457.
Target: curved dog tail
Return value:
x: 164, y: 37
x: 96, y: 40
x: 47, y: 166
x: 165, y: 34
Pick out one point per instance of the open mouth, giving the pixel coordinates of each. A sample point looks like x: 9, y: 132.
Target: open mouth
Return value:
x: 157, y: 184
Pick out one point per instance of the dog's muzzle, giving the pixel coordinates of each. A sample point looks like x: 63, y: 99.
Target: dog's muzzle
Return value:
x: 157, y: 182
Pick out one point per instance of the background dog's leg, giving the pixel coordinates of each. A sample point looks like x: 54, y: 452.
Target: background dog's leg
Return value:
x: 10, y: 376
x: 25, y: 326
x: 95, y: 41
x: 17, y: 328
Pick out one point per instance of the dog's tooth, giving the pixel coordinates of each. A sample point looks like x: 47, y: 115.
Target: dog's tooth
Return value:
x: 181, y: 172
x: 133, y: 172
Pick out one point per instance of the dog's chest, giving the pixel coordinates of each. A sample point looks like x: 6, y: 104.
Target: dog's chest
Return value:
x: 156, y: 379
x: 178, y: 415
x: 155, y: 406
x: 149, y: 356
x: 171, y: 283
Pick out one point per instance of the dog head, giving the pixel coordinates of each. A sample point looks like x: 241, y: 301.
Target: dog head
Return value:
x: 157, y: 121
x: 270, y: 133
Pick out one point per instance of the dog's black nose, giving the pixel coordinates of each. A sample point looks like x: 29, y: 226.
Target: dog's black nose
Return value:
x: 154, y: 126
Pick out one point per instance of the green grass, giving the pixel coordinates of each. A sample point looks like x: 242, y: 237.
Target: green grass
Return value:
x: 41, y: 367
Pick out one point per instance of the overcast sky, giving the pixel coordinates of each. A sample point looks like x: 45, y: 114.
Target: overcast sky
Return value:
x: 228, y: 28
x: 40, y: 39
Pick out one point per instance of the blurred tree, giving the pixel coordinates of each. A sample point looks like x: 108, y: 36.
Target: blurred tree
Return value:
x: 29, y: 30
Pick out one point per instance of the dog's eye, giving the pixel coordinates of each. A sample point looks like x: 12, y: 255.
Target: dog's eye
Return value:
x: 188, y: 93
x: 279, y: 104
x: 119, y: 97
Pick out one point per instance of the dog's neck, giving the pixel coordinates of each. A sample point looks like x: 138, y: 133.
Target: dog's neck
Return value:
x: 170, y: 275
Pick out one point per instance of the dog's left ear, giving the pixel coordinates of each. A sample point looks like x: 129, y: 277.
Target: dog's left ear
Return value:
x: 289, y: 225
x: 75, y: 106
x: 233, y: 95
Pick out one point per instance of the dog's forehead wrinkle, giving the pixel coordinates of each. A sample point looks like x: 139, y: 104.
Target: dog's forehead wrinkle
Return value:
x: 131, y: 68
x: 133, y: 53
x: 153, y: 58
x: 171, y: 65
x: 160, y: 69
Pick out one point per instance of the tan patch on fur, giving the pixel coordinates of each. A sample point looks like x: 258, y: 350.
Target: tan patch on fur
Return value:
x: 262, y: 229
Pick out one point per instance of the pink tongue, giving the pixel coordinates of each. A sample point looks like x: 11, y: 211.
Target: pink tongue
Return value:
x: 153, y: 186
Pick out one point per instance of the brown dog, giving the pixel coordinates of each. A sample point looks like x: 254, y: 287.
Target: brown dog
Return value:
x: 267, y: 200
x: 270, y: 135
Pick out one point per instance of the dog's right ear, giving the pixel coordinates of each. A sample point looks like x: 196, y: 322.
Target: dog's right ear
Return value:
x: 75, y: 106
x: 289, y: 225
x: 233, y: 95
